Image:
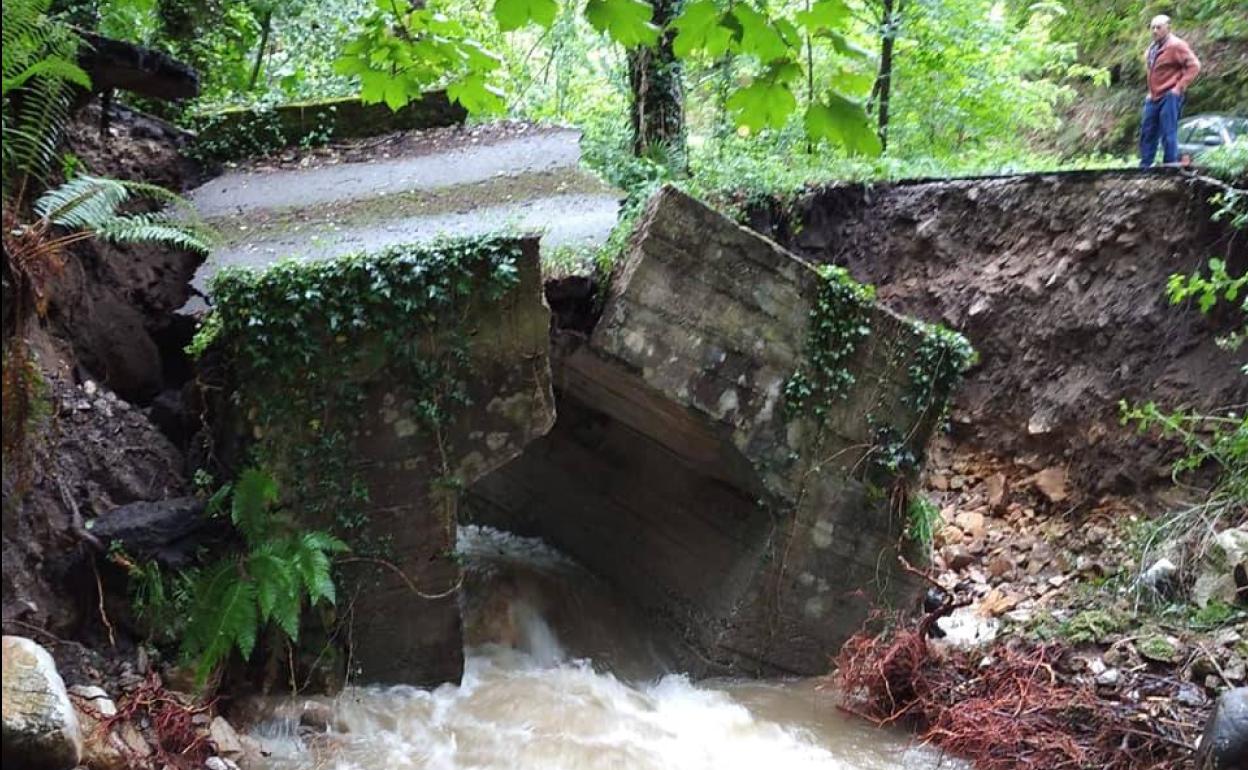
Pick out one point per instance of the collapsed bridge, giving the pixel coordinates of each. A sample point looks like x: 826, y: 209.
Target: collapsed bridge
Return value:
x: 730, y: 447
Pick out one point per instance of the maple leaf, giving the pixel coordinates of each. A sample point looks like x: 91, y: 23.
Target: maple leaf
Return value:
x: 514, y: 14
x: 627, y: 22
x: 700, y: 28
x: 842, y: 122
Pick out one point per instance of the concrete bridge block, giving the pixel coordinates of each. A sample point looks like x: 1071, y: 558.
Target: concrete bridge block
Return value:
x: 676, y: 472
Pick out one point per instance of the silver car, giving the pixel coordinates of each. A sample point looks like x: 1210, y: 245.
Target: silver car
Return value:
x: 1200, y: 133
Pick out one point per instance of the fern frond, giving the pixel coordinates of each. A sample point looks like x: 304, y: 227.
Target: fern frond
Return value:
x: 254, y: 492
x: 144, y: 228
x: 91, y: 203
x: 312, y: 565
x: 223, y: 618
x: 84, y: 202
x: 49, y: 68
x: 40, y: 64
x: 277, y: 589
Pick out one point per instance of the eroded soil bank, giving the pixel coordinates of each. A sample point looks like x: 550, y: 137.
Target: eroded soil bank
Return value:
x: 1059, y: 282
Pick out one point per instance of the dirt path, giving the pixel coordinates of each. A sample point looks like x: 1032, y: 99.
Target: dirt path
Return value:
x: 531, y: 183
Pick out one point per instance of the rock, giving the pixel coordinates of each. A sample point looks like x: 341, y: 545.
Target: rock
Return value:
x: 120, y: 748
x: 1000, y: 566
x: 1235, y: 669
x: 956, y: 557
x: 940, y: 482
x: 169, y: 531
x: 41, y: 730
x: 950, y: 535
x: 971, y: 522
x: 1052, y: 483
x: 1109, y: 677
x: 220, y: 763
x: 225, y: 739
x: 1162, y: 578
x: 966, y: 628
x: 317, y: 715
x: 1224, y: 744
x: 994, y: 488
x: 1039, y: 557
x: 1216, y: 578
x: 1191, y: 695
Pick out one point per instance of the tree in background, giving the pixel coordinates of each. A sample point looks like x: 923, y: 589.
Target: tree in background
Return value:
x: 657, y: 107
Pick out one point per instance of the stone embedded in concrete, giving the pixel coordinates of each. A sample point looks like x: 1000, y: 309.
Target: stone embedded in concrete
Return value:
x: 406, y: 628
x: 41, y: 730
x: 674, y: 472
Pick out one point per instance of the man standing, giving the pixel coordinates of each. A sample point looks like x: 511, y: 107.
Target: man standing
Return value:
x: 1171, y: 69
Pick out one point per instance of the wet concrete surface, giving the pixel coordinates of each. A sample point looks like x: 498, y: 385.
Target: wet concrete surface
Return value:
x: 529, y: 183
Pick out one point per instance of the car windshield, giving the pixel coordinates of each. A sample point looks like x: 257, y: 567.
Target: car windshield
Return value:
x: 1238, y: 127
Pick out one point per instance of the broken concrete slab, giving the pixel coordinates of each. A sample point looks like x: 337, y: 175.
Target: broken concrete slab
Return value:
x: 676, y: 471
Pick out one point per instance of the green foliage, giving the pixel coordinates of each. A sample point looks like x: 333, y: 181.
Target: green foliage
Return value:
x: 922, y: 518
x: 1092, y: 626
x: 937, y: 366
x: 278, y: 572
x: 404, y: 51
x: 293, y: 330
x: 40, y: 71
x: 987, y: 79
x: 839, y: 321
x: 627, y: 22
x: 1216, y: 614
x: 91, y: 205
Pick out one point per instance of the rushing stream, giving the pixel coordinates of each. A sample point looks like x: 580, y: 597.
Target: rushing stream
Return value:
x: 562, y: 676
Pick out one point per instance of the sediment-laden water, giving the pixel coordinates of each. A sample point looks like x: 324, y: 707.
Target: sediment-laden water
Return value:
x: 560, y: 675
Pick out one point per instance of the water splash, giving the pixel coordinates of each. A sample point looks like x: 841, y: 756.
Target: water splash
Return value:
x: 527, y: 703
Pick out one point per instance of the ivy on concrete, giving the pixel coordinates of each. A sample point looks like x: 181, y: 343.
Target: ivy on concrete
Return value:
x: 937, y: 365
x: 839, y: 321
x: 303, y: 339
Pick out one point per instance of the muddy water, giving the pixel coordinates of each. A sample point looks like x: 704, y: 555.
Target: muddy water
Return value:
x: 561, y: 675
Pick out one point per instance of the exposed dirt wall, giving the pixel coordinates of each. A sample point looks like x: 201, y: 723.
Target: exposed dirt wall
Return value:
x: 1059, y: 282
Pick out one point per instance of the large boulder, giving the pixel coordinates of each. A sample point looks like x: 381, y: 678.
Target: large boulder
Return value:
x: 168, y: 531
x: 41, y: 730
x: 1224, y: 745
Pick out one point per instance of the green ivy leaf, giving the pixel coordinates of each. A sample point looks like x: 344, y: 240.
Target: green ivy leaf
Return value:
x: 514, y: 14
x: 842, y: 122
x: 627, y: 22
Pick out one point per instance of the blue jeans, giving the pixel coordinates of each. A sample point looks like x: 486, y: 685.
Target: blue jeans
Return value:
x: 1161, y: 121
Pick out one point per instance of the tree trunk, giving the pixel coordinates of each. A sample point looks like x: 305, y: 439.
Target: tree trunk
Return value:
x: 884, y: 80
x: 657, y: 112
x: 266, y: 25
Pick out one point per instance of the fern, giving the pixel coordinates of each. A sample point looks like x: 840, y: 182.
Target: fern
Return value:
x: 39, y: 75
x: 253, y: 494
x: 269, y: 582
x: 90, y: 204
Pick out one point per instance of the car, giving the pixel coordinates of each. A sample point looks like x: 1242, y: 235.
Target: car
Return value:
x: 1200, y: 133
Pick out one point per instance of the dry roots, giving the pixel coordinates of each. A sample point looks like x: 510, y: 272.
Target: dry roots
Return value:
x: 1011, y: 709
